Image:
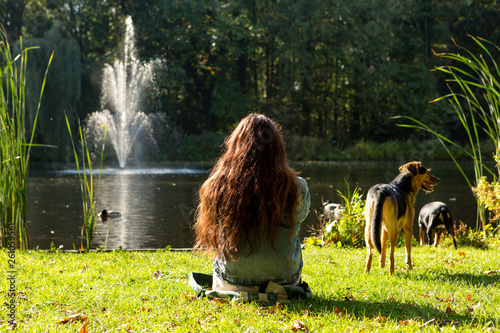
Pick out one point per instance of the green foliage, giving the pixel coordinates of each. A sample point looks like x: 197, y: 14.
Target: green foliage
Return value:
x: 179, y: 147
x: 349, y: 229
x: 308, y: 148
x: 225, y: 58
x: 474, y: 84
x: 352, y: 223
x: 466, y: 236
x: 323, y: 69
x: 489, y: 195
x: 175, y: 146
x: 62, y: 95
x: 15, y: 142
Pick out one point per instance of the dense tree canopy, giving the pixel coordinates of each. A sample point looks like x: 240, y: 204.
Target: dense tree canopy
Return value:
x: 325, y: 68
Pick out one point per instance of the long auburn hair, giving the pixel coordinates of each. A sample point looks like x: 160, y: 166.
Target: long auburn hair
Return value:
x: 250, y: 188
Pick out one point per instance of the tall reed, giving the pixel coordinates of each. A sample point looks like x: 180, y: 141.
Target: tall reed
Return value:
x: 86, y: 177
x: 474, y: 87
x: 15, y: 143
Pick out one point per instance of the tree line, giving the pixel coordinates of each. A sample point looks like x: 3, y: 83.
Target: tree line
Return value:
x: 329, y: 69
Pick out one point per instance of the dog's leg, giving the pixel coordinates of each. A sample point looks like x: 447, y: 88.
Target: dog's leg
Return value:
x: 430, y: 234
x: 368, y: 243
x: 422, y: 235
x: 433, y: 237
x: 392, y: 240
x: 408, y: 236
x: 437, y: 237
x: 369, y: 256
x: 383, y: 240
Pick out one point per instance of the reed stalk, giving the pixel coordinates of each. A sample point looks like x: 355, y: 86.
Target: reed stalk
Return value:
x: 15, y: 143
x: 474, y: 85
x: 86, y: 177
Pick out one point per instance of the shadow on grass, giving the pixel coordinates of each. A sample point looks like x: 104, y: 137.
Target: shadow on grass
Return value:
x: 479, y: 280
x: 476, y: 280
x: 397, y: 312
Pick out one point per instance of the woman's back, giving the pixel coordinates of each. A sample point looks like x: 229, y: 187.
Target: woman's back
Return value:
x: 251, y: 207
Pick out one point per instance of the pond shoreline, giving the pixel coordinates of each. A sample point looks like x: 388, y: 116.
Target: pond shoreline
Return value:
x: 157, y: 208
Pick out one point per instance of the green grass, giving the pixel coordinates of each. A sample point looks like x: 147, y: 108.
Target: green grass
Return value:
x: 148, y: 292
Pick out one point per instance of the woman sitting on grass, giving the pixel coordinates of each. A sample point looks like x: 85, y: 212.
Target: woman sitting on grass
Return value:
x: 250, y: 211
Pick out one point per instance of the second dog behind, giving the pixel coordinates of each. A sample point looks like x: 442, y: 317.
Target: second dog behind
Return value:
x: 431, y: 218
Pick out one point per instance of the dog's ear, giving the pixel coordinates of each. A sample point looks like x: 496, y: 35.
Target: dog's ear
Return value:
x: 422, y: 169
x: 412, y: 167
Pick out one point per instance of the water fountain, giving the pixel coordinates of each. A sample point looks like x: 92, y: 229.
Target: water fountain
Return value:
x: 123, y: 87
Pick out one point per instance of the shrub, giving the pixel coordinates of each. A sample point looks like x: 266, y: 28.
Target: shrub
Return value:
x: 467, y: 236
x: 349, y: 229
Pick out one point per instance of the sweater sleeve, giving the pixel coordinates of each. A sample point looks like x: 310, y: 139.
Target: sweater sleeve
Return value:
x: 304, y: 203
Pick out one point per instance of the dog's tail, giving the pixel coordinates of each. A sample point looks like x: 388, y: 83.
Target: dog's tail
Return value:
x: 377, y: 219
x: 448, y: 221
x: 446, y: 216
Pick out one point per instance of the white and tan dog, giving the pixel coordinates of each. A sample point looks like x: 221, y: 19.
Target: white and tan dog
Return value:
x: 389, y: 207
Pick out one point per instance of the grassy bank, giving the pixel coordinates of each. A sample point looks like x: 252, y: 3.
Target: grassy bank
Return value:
x: 147, y: 292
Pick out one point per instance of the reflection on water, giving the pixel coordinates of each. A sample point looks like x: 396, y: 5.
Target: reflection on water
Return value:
x: 135, y: 171
x: 157, y: 205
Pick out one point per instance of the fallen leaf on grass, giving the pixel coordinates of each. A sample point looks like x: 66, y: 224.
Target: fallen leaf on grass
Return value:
x: 449, y: 299
x: 220, y: 300
x: 449, y: 310
x: 468, y: 297
x: 72, y: 318
x: 462, y: 253
x: 340, y: 313
x: 349, y: 296
x: 278, y: 306
x: 468, y: 310
x: 307, y: 312
x: 76, y: 318
x: 157, y: 275
x: 408, y: 322
x: 275, y: 309
x: 187, y: 296
x: 297, y: 325
x: 380, y: 319
x: 490, y: 272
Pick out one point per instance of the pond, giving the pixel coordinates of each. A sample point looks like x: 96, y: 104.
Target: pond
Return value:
x: 157, y: 203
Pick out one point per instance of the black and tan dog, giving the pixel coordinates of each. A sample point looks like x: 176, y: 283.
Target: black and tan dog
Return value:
x: 431, y: 218
x: 389, y: 207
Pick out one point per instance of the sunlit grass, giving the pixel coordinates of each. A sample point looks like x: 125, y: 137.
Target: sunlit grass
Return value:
x: 449, y: 290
